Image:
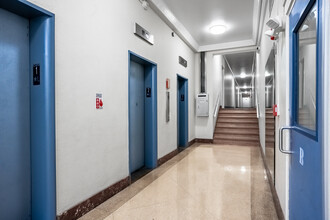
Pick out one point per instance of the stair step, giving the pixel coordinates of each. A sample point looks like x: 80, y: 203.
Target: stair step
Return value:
x: 236, y: 131
x: 270, y: 132
x: 244, y: 137
x: 238, y: 111
x: 270, y: 123
x: 269, y: 110
x: 236, y: 142
x: 270, y: 138
x: 238, y: 120
x: 250, y: 116
x: 237, y: 125
x: 270, y: 145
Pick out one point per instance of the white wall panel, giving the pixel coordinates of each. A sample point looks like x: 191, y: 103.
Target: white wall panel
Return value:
x: 92, y: 42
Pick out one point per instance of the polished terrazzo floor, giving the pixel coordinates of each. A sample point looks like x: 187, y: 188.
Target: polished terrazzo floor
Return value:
x: 202, y: 182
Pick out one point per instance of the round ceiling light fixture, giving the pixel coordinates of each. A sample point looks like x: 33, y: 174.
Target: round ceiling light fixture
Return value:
x: 217, y: 29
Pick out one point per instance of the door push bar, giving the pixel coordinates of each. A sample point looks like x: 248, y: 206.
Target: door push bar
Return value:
x: 281, y: 139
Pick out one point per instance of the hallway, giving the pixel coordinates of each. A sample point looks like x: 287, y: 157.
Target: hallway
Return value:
x: 202, y: 182
x: 165, y: 109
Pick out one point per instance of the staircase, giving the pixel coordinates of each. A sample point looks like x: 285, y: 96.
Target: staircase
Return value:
x: 270, y: 128
x: 237, y: 127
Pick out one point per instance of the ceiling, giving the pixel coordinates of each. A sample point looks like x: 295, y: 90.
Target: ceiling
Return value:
x: 191, y: 19
x: 198, y: 15
x: 238, y: 63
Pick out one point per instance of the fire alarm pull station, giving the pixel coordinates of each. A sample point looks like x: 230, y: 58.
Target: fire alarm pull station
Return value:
x: 167, y: 83
x: 275, y: 110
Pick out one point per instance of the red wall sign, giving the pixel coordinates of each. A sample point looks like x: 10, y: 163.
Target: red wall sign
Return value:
x: 99, y: 101
x: 167, y: 83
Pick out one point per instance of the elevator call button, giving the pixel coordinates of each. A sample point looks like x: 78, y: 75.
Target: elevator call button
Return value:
x: 36, y: 74
x: 148, y: 92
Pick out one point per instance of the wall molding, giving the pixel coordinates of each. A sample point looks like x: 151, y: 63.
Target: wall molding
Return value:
x: 172, y: 154
x: 89, y: 204
x: 191, y: 142
x: 92, y: 202
x: 167, y: 157
x: 276, y: 200
x: 204, y: 141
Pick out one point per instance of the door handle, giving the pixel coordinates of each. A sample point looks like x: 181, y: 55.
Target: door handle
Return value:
x: 281, y: 140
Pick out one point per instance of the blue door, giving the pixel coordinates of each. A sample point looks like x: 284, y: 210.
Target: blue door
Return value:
x: 182, y: 102
x: 136, y: 115
x: 15, y: 172
x: 305, y: 192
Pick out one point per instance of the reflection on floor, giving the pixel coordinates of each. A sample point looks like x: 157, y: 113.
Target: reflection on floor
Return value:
x: 270, y: 158
x: 202, y: 182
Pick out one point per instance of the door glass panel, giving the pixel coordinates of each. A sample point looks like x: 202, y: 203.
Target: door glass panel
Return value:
x: 306, y: 116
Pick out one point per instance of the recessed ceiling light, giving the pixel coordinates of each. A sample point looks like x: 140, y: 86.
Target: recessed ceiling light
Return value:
x: 243, y: 75
x: 217, y: 29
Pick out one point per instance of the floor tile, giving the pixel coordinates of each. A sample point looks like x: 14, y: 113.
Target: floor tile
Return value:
x: 204, y: 182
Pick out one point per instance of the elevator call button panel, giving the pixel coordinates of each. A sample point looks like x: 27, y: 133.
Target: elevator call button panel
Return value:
x: 36, y: 74
x: 148, y: 92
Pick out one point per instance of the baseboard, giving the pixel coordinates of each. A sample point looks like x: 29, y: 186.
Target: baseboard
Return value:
x: 89, y: 204
x: 276, y: 200
x: 92, y: 202
x: 167, y: 157
x: 191, y: 142
x: 204, y: 141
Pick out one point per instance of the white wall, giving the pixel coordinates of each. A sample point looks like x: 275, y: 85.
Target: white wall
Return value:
x: 282, y: 94
x: 92, y: 42
x: 217, y: 86
x: 266, y: 46
x: 213, y: 68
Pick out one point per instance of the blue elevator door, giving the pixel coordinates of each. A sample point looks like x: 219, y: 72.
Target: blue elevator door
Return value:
x: 136, y: 122
x: 182, y: 113
x: 15, y: 181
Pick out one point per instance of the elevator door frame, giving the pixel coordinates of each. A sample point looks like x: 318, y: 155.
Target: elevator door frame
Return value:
x: 42, y: 106
x: 151, y: 130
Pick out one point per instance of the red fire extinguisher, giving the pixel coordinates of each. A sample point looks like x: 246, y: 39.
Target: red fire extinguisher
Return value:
x: 275, y: 110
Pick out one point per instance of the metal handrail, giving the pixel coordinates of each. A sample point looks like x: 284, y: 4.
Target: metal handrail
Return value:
x: 257, y: 104
x: 216, y: 106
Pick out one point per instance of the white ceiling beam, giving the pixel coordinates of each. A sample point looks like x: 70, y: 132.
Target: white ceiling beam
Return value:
x: 165, y: 13
x: 227, y: 46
